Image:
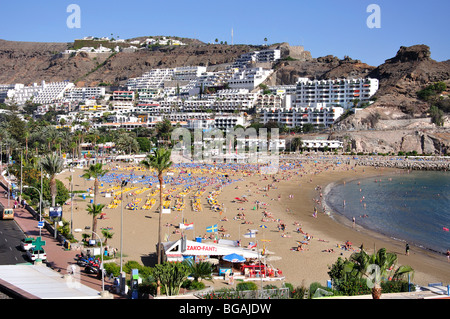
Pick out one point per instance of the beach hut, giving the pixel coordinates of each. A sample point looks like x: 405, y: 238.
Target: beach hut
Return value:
x: 176, y: 250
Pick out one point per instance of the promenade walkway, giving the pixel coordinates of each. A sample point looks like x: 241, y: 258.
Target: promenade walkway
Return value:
x: 58, y: 258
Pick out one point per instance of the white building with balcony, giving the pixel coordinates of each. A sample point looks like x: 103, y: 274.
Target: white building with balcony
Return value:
x: 262, y: 56
x: 322, y: 144
x: 346, y: 93
x: 84, y: 93
x: 249, y: 78
x: 319, y: 115
x: 52, y: 92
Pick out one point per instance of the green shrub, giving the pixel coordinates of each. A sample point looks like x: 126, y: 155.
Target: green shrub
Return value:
x: 396, y: 286
x: 129, y: 265
x: 354, y: 287
x: 313, y: 287
x: 299, y: 292
x: 197, y: 285
x: 242, y: 286
x: 112, y: 268
x: 290, y: 286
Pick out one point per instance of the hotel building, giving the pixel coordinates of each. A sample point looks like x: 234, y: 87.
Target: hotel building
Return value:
x: 346, y: 93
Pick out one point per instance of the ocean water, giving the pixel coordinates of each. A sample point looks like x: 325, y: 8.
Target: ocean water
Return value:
x: 410, y: 207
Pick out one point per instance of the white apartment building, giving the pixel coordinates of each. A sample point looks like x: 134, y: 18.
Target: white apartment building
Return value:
x: 84, y: 93
x: 203, y: 124
x: 319, y: 115
x: 230, y: 100
x: 188, y: 73
x: 215, y: 79
x: 249, y: 78
x: 224, y: 122
x: 234, y: 100
x: 20, y: 93
x: 51, y: 92
x: 322, y: 144
x: 154, y: 79
x: 283, y: 89
x: 343, y: 92
x: 263, y: 56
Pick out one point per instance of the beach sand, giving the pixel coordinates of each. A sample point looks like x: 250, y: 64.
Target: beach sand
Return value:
x: 290, y: 199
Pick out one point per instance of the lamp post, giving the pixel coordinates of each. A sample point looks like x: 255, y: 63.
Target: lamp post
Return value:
x: 78, y: 230
x: 40, y: 204
x: 124, y: 183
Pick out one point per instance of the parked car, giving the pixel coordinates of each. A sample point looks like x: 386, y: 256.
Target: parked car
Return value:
x: 27, y: 243
x: 34, y: 254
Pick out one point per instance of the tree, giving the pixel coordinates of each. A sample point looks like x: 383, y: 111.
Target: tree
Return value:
x: 171, y: 276
x: 107, y: 234
x: 297, y: 143
x: 379, y: 267
x: 94, y: 210
x: 52, y: 165
x: 160, y: 161
x: 95, y: 171
x: 437, y: 115
x: 201, y: 270
x: 144, y: 144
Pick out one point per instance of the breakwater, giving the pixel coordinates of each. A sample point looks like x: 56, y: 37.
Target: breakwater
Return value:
x: 425, y: 163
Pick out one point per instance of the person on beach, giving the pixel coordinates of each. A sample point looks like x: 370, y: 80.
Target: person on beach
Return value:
x: 354, y: 221
x: 407, y: 249
x: 448, y: 255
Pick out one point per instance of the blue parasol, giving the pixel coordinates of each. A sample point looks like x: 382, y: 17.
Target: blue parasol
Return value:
x: 234, y: 258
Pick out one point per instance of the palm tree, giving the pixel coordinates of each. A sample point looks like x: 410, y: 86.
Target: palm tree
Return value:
x: 383, y: 263
x: 52, y: 164
x: 95, y: 171
x: 297, y: 143
x: 107, y: 235
x: 94, y: 210
x: 160, y: 161
x: 201, y: 270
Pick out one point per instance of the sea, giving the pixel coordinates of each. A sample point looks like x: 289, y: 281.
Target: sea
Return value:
x: 413, y: 207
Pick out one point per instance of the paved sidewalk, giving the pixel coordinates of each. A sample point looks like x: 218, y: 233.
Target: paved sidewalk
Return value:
x: 58, y: 258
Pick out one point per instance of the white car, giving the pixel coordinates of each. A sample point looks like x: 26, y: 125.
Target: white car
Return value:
x: 34, y: 254
x: 27, y: 243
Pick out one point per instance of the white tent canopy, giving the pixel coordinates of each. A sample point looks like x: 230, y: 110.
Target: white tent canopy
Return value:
x: 174, y: 251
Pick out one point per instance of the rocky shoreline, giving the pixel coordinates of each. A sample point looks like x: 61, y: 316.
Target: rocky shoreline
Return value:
x: 400, y: 162
x: 408, y: 164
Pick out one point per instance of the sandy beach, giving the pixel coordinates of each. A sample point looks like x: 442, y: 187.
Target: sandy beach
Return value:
x: 289, y: 200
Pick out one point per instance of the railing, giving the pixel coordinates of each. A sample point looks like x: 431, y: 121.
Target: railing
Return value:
x: 277, y: 293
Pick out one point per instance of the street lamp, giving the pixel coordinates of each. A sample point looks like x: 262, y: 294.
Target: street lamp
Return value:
x: 79, y: 230
x: 40, y: 204
x: 124, y: 183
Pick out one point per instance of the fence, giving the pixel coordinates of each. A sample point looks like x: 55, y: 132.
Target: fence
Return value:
x: 277, y: 293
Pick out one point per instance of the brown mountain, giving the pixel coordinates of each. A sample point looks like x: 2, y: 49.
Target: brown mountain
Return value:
x: 411, y: 70
x: 29, y: 62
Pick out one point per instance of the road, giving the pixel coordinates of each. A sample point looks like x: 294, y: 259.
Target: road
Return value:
x: 10, y: 237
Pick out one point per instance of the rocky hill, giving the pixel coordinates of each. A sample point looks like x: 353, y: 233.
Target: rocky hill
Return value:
x: 328, y: 67
x: 28, y: 62
x: 411, y: 70
x: 395, y: 122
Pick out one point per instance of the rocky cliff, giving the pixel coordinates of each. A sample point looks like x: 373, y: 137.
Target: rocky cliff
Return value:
x: 27, y: 62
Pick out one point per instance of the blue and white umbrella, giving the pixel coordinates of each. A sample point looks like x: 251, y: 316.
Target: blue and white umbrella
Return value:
x: 234, y: 258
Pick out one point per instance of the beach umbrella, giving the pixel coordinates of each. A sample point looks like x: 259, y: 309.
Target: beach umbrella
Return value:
x: 234, y: 258
x: 263, y: 226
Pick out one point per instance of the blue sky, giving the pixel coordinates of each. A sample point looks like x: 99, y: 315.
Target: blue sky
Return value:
x: 336, y: 27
